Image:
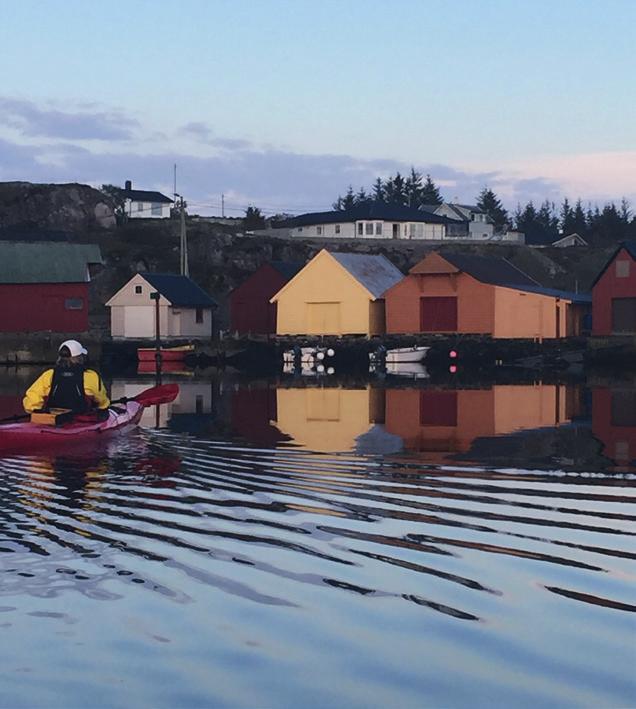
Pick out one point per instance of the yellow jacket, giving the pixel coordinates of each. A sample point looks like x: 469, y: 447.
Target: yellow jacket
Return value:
x: 38, y: 392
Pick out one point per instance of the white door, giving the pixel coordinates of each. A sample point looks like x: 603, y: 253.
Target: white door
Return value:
x: 139, y: 321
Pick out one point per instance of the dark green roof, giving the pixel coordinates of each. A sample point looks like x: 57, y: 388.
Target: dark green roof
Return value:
x: 46, y: 262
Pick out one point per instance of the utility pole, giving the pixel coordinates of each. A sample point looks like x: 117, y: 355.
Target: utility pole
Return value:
x: 184, y: 241
x: 222, y: 205
x: 174, y: 190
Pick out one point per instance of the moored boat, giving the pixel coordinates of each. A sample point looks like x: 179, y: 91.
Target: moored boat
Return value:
x: 168, y: 354
x: 406, y: 354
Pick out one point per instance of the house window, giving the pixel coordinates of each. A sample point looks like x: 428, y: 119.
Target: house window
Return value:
x: 199, y: 315
x: 319, y: 230
x: 378, y: 228
x: 155, y: 209
x: 360, y: 228
x: 140, y: 206
x: 368, y: 228
x: 300, y: 228
x: 337, y: 228
x: 74, y: 304
x: 416, y: 231
x: 138, y: 290
x: 622, y: 269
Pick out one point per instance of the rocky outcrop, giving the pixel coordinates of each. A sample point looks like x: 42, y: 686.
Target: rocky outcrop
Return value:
x: 68, y: 207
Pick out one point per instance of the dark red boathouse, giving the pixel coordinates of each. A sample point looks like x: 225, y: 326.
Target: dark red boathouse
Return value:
x: 44, y: 286
x: 614, y: 294
x: 250, y: 309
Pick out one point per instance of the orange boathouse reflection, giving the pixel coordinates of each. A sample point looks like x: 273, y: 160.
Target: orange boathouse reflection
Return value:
x: 444, y: 422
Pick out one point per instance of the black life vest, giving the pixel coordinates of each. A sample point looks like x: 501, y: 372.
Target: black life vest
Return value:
x: 67, y: 390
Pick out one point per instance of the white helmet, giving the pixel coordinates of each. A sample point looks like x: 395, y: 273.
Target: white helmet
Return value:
x: 74, y: 347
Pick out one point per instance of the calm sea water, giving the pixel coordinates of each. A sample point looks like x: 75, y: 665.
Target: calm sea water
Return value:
x: 326, y: 546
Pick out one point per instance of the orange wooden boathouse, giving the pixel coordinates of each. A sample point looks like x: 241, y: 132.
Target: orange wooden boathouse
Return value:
x: 468, y: 294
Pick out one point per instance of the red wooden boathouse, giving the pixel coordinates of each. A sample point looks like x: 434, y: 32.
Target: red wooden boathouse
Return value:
x: 614, y: 294
x: 250, y: 309
x: 44, y: 286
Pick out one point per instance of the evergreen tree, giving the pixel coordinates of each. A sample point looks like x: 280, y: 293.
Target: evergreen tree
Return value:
x: 431, y: 193
x: 529, y: 222
x: 548, y: 221
x: 566, y: 218
x: 378, y: 190
x: 491, y: 204
x: 361, y: 197
x: 395, y: 190
x: 579, y: 222
x: 413, y: 189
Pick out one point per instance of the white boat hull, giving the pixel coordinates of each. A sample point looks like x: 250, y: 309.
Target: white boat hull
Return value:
x: 406, y: 354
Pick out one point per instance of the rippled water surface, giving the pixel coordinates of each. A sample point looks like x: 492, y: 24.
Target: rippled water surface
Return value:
x: 188, y: 566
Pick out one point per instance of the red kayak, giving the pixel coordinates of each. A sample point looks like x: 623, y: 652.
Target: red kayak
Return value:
x: 122, y: 417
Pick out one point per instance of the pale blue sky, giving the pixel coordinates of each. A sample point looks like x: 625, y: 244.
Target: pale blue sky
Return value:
x: 285, y: 103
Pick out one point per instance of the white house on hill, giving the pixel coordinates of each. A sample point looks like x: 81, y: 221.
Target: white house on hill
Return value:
x: 480, y: 226
x: 145, y: 204
x: 374, y: 220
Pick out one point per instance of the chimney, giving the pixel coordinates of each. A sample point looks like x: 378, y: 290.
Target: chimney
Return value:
x: 128, y: 185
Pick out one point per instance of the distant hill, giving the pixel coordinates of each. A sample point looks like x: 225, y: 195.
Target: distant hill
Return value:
x: 53, y: 208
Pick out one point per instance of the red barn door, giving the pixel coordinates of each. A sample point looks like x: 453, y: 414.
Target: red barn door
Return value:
x: 438, y: 314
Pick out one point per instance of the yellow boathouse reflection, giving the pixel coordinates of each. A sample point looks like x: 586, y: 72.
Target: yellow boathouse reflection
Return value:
x: 328, y: 420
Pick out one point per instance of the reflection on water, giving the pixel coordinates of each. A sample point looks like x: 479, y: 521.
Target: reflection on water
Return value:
x: 328, y: 546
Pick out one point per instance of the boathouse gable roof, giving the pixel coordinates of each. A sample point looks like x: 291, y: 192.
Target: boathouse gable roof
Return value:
x: 629, y: 246
x: 181, y: 291
x: 46, y: 262
x: 376, y: 273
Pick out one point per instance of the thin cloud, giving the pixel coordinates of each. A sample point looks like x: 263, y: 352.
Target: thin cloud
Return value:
x: 274, y: 180
x: 32, y: 121
x: 202, y: 133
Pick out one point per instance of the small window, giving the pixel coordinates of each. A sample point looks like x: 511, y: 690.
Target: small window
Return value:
x: 368, y: 228
x: 155, y: 209
x: 360, y: 228
x: 138, y: 290
x: 74, y: 304
x: 337, y: 228
x: 199, y: 315
x: 319, y: 230
x: 378, y: 228
x: 300, y: 228
x: 622, y: 269
x: 140, y: 206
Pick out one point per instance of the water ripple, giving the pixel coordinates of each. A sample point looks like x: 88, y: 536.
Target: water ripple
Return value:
x: 262, y: 537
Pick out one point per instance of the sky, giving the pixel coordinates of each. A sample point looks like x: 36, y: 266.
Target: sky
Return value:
x: 282, y: 104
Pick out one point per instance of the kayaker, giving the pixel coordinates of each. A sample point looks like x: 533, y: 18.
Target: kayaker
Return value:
x: 68, y: 385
